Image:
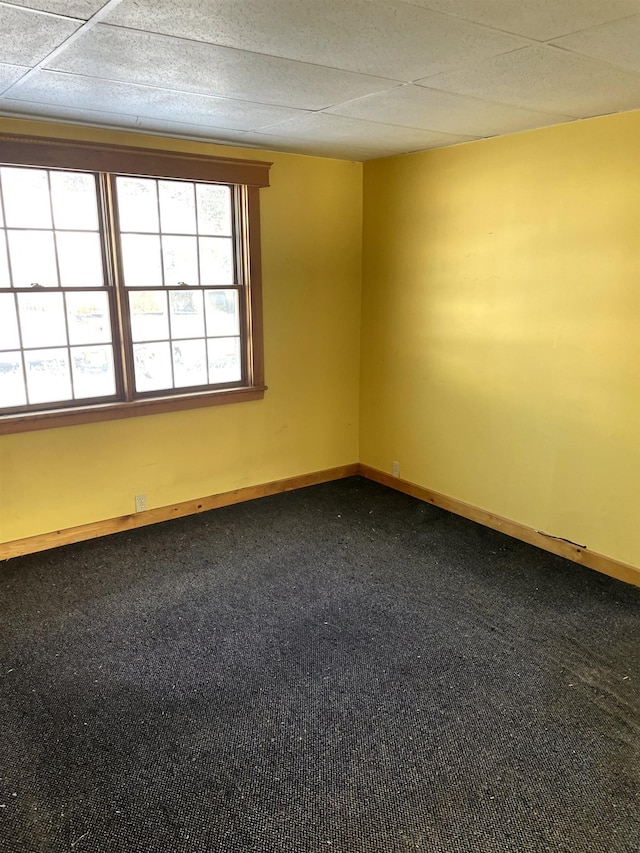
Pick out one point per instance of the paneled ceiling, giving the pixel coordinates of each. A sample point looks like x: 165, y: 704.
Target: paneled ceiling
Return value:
x: 353, y: 79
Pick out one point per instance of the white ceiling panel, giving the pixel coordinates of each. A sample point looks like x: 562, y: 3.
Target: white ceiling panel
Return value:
x: 9, y: 74
x: 547, y: 79
x: 316, y: 148
x: 379, y: 37
x: 354, y: 131
x: 52, y: 87
x: 618, y: 43
x: 104, y: 118
x: 28, y: 36
x: 98, y: 118
x: 415, y: 106
x: 135, y: 57
x: 72, y: 8
x: 537, y: 19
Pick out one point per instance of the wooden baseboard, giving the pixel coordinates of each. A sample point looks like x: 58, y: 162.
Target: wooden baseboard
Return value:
x: 607, y: 565
x: 44, y: 541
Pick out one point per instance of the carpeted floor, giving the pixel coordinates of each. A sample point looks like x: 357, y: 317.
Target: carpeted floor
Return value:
x: 340, y: 669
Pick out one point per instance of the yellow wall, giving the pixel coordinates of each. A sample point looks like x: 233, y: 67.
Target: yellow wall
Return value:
x: 308, y: 421
x: 501, y: 327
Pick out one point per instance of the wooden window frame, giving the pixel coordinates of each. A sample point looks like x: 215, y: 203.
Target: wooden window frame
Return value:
x: 247, y: 177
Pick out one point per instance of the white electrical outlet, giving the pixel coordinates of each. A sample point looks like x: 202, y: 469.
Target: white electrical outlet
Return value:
x: 141, y: 503
x: 396, y: 469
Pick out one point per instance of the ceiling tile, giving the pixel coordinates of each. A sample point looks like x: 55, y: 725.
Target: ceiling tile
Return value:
x: 71, y: 8
x: 28, y: 36
x: 547, y: 79
x: 103, y: 118
x: 383, y: 38
x: 617, y: 43
x: 316, y: 148
x: 9, y: 74
x: 72, y: 90
x: 540, y: 19
x: 354, y: 131
x: 100, y: 118
x: 134, y: 57
x: 415, y: 106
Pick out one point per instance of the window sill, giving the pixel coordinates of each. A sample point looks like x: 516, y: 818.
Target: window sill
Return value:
x: 53, y: 419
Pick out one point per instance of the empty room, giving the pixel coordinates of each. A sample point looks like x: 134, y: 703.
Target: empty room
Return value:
x: 319, y: 426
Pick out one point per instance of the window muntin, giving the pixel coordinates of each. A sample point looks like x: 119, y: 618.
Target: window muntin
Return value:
x: 118, y: 288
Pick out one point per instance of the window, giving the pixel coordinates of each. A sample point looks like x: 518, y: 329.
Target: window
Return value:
x: 129, y: 282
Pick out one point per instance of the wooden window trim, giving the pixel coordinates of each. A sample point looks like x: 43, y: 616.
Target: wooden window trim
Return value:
x: 129, y: 160
x: 55, y: 418
x: 248, y: 175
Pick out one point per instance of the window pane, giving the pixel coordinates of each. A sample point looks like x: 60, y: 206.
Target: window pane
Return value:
x: 26, y: 197
x: 222, y: 313
x: 137, y: 204
x: 88, y: 317
x: 177, y: 207
x: 33, y: 259
x: 214, y: 209
x: 216, y: 260
x: 189, y: 363
x: 187, y: 318
x: 5, y: 281
x: 80, y: 259
x: 48, y: 378
x: 141, y: 260
x: 74, y: 199
x: 93, y: 372
x: 9, y: 338
x: 149, y: 318
x: 152, y: 366
x: 224, y: 360
x: 180, y: 256
x: 42, y: 319
x: 12, y: 391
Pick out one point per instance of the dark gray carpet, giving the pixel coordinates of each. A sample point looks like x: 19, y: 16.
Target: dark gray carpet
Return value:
x: 340, y: 668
